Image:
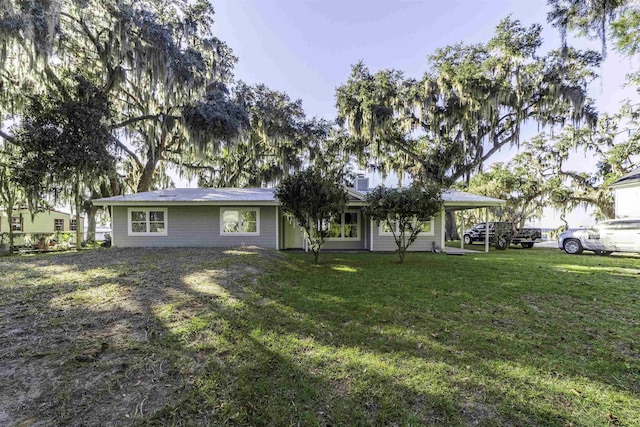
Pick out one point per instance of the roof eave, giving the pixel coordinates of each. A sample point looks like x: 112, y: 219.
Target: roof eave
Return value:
x: 473, y: 205
x: 360, y: 196
x: 625, y: 183
x: 185, y: 203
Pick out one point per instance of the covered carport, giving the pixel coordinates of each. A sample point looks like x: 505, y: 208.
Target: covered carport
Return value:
x: 454, y: 200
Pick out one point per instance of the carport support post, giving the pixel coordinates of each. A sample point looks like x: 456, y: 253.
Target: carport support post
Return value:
x: 306, y: 239
x: 443, y: 220
x: 462, y: 228
x: 113, y: 240
x: 278, y: 220
x: 486, y: 229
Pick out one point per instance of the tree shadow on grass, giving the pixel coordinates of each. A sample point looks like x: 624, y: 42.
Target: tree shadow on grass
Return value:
x: 183, y: 343
x: 249, y: 337
x: 514, y: 348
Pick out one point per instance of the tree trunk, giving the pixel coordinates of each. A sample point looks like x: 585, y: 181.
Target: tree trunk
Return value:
x: 78, y: 207
x: 91, y: 222
x: 451, y: 228
x: 11, y: 235
x: 147, y: 175
x: 9, y: 198
x: 401, y: 254
x: 316, y: 257
x: 154, y: 153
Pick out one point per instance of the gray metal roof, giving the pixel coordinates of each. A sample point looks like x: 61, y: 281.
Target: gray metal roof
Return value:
x: 455, y: 198
x: 194, y: 196
x: 452, y: 197
x: 265, y: 196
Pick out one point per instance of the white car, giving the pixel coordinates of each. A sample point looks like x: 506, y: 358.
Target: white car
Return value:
x: 617, y: 235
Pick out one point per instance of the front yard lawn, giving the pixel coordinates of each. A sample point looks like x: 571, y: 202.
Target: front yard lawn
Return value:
x: 256, y: 337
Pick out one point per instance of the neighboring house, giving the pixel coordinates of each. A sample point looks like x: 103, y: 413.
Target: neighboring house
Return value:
x: 626, y: 195
x: 47, y: 222
x: 228, y: 217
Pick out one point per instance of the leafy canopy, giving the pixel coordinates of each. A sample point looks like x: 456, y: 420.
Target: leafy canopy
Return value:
x: 62, y: 139
x: 588, y: 17
x: 519, y: 184
x: 153, y: 59
x: 471, y: 102
x: 276, y: 139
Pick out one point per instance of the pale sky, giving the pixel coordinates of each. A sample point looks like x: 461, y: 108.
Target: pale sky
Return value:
x: 306, y: 47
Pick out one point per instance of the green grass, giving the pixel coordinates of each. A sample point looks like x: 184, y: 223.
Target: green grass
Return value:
x: 472, y: 247
x: 477, y: 246
x: 516, y: 337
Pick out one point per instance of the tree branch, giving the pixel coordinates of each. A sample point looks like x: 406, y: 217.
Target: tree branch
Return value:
x: 575, y: 176
x: 131, y: 154
x: 89, y: 34
x: 200, y: 167
x: 9, y: 138
x: 135, y: 120
x: 143, y: 118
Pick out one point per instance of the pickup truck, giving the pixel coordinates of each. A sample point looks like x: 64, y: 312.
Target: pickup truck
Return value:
x: 525, y: 237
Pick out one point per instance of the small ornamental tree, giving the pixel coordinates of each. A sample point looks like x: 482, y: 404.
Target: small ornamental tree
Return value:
x: 405, y: 212
x: 313, y: 199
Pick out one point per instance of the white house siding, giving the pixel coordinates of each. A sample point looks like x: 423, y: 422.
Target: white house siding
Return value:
x: 194, y: 226
x: 367, y: 232
x: 292, y: 236
x: 422, y: 243
x: 627, y: 201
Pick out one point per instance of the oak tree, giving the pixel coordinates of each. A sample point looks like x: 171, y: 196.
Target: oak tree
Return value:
x: 472, y: 101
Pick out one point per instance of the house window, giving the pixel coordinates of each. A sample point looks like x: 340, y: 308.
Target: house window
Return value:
x: 240, y: 221
x: 385, y: 229
x: 147, y: 222
x: 58, y: 224
x: 73, y: 225
x: 16, y: 223
x: 388, y: 227
x: 427, y: 228
x: 345, y: 227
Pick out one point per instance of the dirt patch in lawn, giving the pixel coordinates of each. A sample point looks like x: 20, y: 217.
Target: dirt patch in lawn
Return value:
x: 94, y: 338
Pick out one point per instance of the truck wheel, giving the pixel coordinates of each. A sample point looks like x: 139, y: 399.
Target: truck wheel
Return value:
x: 502, y: 243
x: 467, y: 239
x: 572, y: 246
x: 527, y: 245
